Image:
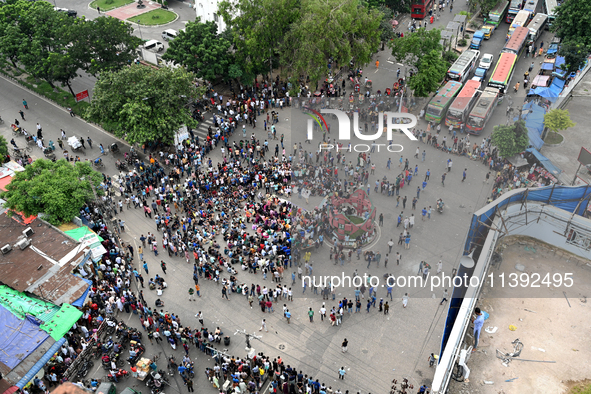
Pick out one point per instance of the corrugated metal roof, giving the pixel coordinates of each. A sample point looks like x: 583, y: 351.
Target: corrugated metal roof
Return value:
x: 36, y: 269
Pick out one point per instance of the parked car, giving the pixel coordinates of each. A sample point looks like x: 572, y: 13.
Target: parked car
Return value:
x: 72, y: 13
x: 169, y: 34
x: 486, y: 61
x: 154, y: 46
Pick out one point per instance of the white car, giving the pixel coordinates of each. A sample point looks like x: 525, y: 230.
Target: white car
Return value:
x: 486, y: 61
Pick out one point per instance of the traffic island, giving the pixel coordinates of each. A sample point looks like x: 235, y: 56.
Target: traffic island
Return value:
x: 108, y: 5
x: 154, y: 18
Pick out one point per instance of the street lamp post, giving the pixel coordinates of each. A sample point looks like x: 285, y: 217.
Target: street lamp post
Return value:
x: 139, y: 27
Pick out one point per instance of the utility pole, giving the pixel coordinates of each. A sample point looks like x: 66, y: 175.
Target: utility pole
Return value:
x: 248, y: 336
x: 104, y: 208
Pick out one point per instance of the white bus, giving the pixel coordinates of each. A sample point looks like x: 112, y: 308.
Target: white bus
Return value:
x: 536, y: 27
x: 461, y: 68
x: 550, y: 11
x: 521, y: 19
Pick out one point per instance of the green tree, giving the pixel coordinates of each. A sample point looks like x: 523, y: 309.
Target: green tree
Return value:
x: 486, y: 6
x: 430, y: 73
x: 413, y: 47
x: 103, y: 44
x: 575, y: 55
x: 57, y: 189
x: 3, y: 149
x: 11, y: 43
x: 144, y: 104
x: 510, y: 140
x: 337, y: 30
x: 387, y: 32
x: 258, y: 29
x: 422, y: 52
x: 50, y: 35
x: 573, y: 22
x: 558, y: 120
x: 201, y: 50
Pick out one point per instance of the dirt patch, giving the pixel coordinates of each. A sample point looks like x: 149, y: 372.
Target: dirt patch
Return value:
x: 551, y: 328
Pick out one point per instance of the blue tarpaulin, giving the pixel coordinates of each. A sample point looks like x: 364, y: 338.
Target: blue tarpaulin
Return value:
x: 557, y: 86
x: 559, y: 61
x: 18, y: 338
x: 548, y: 66
x: 39, y: 364
x: 534, y: 121
x: 543, y: 92
x: 544, y: 161
x: 80, y: 301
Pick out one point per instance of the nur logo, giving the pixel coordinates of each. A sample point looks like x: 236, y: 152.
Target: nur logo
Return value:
x: 345, y: 124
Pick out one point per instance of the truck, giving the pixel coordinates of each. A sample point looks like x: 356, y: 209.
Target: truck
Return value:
x: 477, y: 40
x: 488, y: 30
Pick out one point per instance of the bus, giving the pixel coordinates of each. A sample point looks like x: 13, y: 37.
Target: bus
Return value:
x: 517, y: 42
x: 497, y: 14
x: 531, y: 6
x: 514, y: 8
x: 536, y: 27
x: 461, y: 68
x: 419, y: 9
x: 441, y: 101
x: 520, y: 20
x: 501, y: 76
x: 551, y: 12
x: 482, y: 111
x: 460, y: 108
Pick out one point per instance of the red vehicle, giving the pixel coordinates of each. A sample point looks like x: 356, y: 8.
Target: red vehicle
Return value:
x: 419, y: 9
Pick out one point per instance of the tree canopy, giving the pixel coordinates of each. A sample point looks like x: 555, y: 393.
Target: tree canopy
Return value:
x: 558, y: 120
x: 334, y: 31
x: 53, y: 46
x: 573, y: 26
x: 145, y: 104
x: 3, y: 149
x: 201, y: 50
x: 422, y: 52
x: 510, y: 140
x: 57, y: 189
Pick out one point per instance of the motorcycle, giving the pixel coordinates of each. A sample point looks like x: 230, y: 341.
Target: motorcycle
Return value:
x: 121, y: 165
x: 140, y: 349
x: 85, y: 368
x: 121, y: 373
x: 111, y: 325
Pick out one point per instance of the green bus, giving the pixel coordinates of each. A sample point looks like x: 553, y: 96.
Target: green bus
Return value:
x: 497, y: 14
x: 503, y: 72
x: 441, y: 101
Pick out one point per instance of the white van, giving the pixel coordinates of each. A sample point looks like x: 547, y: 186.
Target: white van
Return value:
x: 169, y: 34
x: 154, y: 46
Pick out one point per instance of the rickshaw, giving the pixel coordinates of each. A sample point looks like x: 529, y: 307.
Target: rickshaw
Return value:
x: 98, y: 162
x: 361, y: 98
x: 351, y: 98
x: 75, y: 144
x: 356, y: 88
x: 368, y: 85
x: 388, y: 91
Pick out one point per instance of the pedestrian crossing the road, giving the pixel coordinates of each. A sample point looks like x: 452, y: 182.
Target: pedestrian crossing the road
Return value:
x: 201, y: 129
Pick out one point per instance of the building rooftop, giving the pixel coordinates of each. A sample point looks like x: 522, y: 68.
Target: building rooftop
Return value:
x: 44, y: 266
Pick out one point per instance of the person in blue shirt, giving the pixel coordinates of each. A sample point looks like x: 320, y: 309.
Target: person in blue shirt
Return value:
x: 478, y: 323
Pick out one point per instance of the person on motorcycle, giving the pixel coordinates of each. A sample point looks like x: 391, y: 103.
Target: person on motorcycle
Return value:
x: 114, y: 375
x: 132, y: 354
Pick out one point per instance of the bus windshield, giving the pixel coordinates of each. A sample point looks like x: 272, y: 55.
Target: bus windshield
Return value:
x: 431, y: 110
x: 475, y: 121
x: 454, y: 114
x: 494, y: 18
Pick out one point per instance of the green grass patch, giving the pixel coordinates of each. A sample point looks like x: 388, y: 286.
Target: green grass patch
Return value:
x: 154, y: 17
x: 108, y: 5
x: 61, y: 97
x: 355, y: 219
x: 583, y: 388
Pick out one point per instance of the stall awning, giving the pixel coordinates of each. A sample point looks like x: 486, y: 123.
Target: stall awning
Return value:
x: 42, y: 361
x: 545, y: 162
